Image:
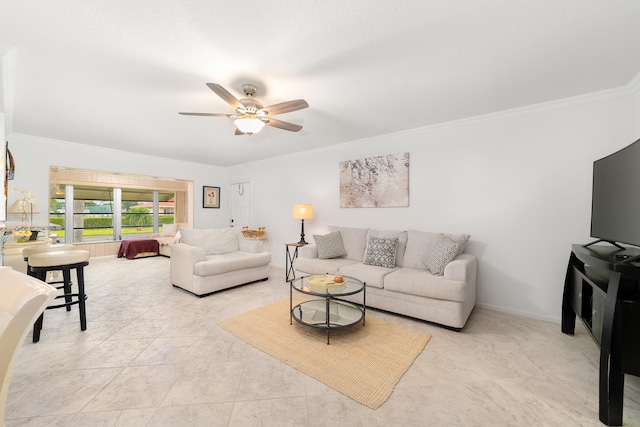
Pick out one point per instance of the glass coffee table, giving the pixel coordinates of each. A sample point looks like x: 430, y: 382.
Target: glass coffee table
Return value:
x: 327, y: 311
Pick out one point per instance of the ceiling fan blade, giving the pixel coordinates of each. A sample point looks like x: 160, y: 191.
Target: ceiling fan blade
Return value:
x: 206, y: 114
x: 224, y: 94
x: 286, y: 107
x: 239, y: 132
x: 282, y: 125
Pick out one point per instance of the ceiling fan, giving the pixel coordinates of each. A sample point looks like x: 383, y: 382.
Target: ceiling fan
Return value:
x: 250, y: 115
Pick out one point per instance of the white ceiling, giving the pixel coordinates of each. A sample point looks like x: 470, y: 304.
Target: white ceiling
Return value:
x: 115, y: 73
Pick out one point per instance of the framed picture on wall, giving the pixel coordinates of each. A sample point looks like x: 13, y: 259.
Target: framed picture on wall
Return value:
x: 211, y: 197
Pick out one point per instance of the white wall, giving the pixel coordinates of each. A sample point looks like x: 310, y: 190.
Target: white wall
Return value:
x: 518, y: 182
x: 635, y: 89
x: 2, y: 168
x: 33, y: 156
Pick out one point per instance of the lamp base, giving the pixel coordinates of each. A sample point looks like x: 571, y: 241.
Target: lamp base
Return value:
x: 302, y: 241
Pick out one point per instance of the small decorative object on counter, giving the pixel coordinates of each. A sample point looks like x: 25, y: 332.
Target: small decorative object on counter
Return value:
x: 256, y: 234
x: 21, y: 236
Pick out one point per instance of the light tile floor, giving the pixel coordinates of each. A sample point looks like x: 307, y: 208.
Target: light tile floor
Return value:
x: 153, y: 355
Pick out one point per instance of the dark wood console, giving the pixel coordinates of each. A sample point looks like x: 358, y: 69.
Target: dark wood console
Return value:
x: 602, y: 289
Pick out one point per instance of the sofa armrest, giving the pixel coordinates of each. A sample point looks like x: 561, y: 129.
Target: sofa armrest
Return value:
x: 186, y: 256
x: 253, y: 246
x: 308, y: 251
x: 462, y: 268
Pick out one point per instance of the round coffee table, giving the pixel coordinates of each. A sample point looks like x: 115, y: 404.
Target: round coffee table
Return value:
x: 328, y: 311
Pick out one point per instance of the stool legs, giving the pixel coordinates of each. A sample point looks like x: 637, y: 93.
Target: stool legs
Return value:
x: 81, y: 298
x: 41, y: 273
x: 37, y: 327
x: 66, y: 284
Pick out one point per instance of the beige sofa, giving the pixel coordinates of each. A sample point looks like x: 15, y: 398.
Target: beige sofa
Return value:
x: 428, y: 277
x: 206, y: 261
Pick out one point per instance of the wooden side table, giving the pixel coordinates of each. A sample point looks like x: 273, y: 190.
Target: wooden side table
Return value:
x: 291, y: 257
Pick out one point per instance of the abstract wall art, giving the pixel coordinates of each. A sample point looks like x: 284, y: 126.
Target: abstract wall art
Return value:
x: 375, y: 182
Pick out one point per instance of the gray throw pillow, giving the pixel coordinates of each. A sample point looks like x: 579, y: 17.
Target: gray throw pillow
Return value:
x: 442, y: 253
x: 329, y: 245
x: 381, y: 251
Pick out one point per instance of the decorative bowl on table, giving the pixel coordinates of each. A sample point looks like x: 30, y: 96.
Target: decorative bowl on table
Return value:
x: 324, y: 280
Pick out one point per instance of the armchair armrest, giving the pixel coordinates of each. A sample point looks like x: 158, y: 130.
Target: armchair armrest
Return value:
x: 462, y: 268
x: 182, y: 263
x: 253, y: 246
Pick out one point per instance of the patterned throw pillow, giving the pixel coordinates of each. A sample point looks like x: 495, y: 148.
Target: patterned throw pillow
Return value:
x: 442, y: 253
x: 330, y: 245
x: 381, y: 251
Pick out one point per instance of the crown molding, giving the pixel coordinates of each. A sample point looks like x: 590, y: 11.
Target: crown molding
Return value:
x: 634, y: 84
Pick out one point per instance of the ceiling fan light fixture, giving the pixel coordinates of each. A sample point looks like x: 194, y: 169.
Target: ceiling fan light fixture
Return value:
x: 249, y: 125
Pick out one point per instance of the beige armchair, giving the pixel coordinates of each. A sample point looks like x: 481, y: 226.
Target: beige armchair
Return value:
x: 22, y: 300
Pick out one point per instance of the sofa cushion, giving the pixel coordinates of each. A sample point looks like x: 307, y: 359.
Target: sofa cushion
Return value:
x: 422, y: 283
x: 441, y: 253
x: 224, y: 263
x: 381, y: 251
x: 402, y: 240
x: 421, y: 242
x: 321, y: 266
x: 329, y: 245
x: 214, y: 241
x: 372, y: 275
x: 354, y: 241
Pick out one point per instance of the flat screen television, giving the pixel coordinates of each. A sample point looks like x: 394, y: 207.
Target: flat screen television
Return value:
x: 615, y: 202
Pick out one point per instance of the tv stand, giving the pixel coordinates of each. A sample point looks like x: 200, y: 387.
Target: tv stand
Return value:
x: 606, y: 241
x: 603, y: 291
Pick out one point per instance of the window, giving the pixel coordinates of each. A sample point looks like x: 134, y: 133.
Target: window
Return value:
x: 85, y: 211
x: 137, y: 211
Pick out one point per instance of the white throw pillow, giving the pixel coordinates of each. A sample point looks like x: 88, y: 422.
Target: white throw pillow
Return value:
x: 381, y: 251
x: 441, y: 253
x: 329, y: 245
x: 169, y: 230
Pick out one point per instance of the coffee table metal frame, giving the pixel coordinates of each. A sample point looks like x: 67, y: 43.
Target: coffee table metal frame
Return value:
x: 332, y: 304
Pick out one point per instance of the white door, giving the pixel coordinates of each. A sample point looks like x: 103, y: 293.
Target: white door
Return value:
x: 240, y: 204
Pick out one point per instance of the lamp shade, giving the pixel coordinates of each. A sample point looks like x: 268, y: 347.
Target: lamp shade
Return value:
x: 302, y: 212
x: 249, y: 126
x: 22, y: 206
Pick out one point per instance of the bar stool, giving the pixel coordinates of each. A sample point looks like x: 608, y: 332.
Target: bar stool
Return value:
x: 40, y: 263
x: 27, y: 252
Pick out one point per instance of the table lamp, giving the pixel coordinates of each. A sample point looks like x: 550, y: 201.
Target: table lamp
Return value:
x: 24, y: 208
x: 302, y: 212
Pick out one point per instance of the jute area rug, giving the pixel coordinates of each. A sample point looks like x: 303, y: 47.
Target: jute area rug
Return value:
x: 363, y: 363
